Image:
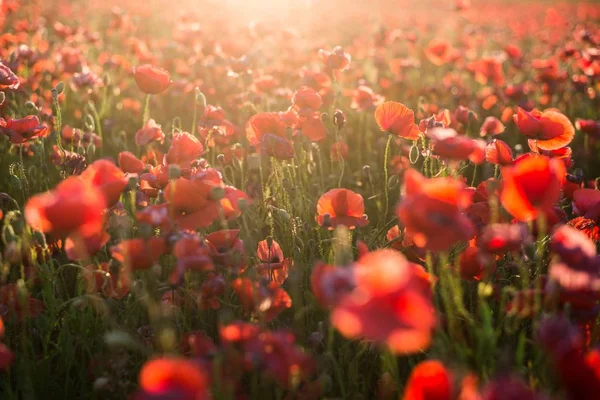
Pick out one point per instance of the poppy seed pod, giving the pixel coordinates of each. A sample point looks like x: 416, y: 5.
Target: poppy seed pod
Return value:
x: 339, y: 119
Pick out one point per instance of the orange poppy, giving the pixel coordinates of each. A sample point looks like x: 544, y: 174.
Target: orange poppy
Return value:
x: 397, y: 119
x: 429, y: 380
x: 551, y: 129
x: 341, y: 207
x: 107, y: 177
x: 74, y: 206
x: 151, y: 79
x: 532, y: 184
x: 391, y: 303
x: 433, y: 211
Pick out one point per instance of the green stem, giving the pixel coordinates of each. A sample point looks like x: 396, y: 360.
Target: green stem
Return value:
x: 146, y: 110
x: 385, y: 171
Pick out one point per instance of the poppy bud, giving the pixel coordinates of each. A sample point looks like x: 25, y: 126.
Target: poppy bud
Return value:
x: 166, y: 339
x: 174, y: 171
x: 132, y: 183
x: 326, y: 220
x: 366, y: 170
x: 12, y: 253
x: 60, y: 88
x: 217, y: 193
x: 339, y: 119
x: 221, y: 158
x: 242, y: 204
x: 102, y: 383
x: 200, y: 99
x: 89, y: 122
x: 106, y: 80
x: 29, y: 106
x: 54, y: 94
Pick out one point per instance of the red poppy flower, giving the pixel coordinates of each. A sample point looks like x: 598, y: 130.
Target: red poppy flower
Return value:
x: 448, y: 144
x: 439, y: 52
x: 195, y: 203
x: 174, y: 378
x: 365, y: 99
x: 274, y: 266
x: 532, y: 184
x: 551, y: 129
x: 392, y: 303
x: 336, y: 59
x: 227, y: 249
x: 586, y: 202
x: 589, y: 127
x: 491, y: 126
x: 129, y: 163
x: 74, y: 206
x: 150, y: 132
x: 7, y: 357
x: 276, y: 147
x: 107, y: 177
x: 113, y: 284
x: 306, y: 98
x: 82, y: 247
x: 263, y: 123
x: 503, y: 238
x: 23, y: 130
x: 339, y: 151
x: 572, y: 246
x: 312, y: 127
x: 232, y: 202
x: 509, y: 387
x: 184, y: 149
x: 487, y: 69
x: 192, y: 254
x: 588, y: 227
x: 139, y: 254
x: 429, y: 380
x: 151, y: 79
x: 498, y: 152
x: 473, y: 264
x: 397, y: 119
x: 8, y: 79
x: 341, y: 207
x: 432, y: 211
x: 270, y: 299
x: 578, y: 370
x: 210, y: 291
x: 329, y: 283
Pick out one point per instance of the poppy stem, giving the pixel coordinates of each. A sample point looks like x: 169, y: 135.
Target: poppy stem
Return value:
x: 385, y: 172
x: 146, y: 110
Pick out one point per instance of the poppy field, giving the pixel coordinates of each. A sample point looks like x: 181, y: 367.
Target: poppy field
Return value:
x: 299, y: 200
